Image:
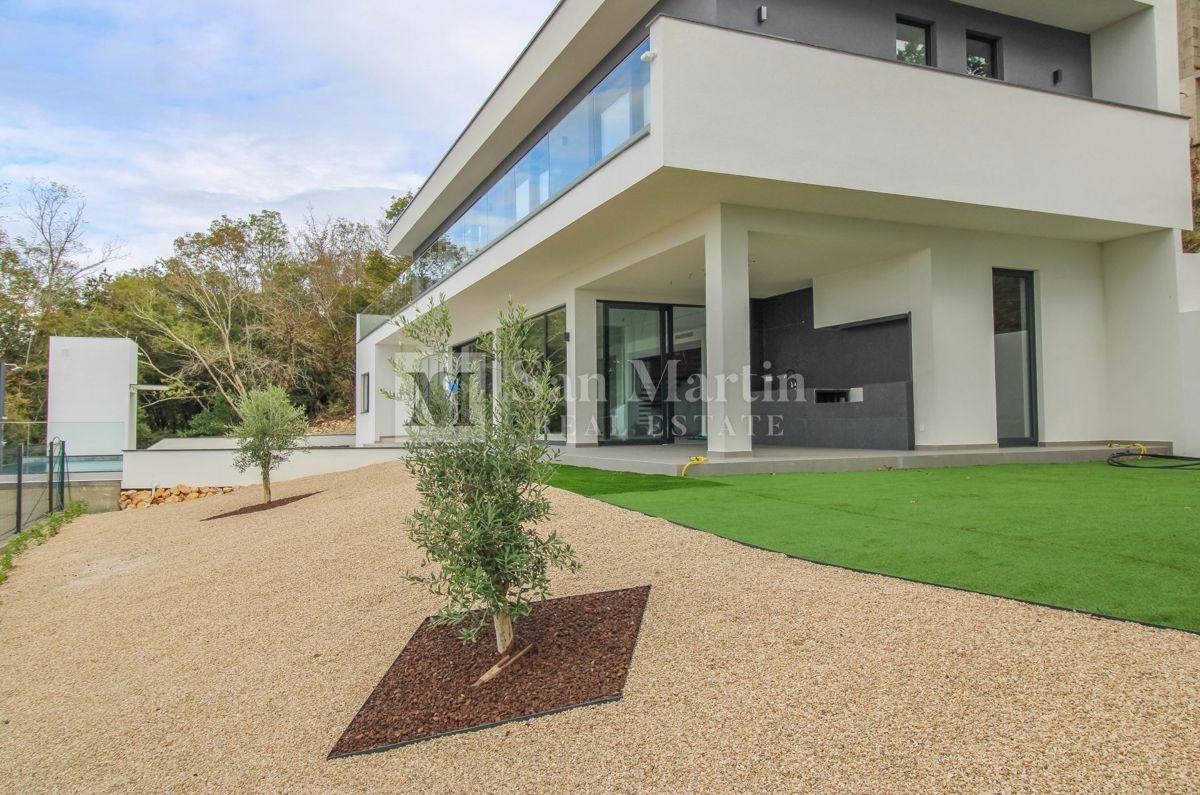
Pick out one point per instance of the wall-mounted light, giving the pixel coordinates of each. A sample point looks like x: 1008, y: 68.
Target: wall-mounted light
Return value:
x: 649, y: 56
x: 762, y: 14
x: 1058, y: 76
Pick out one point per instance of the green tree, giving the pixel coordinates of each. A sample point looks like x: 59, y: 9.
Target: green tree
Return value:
x: 53, y: 246
x: 243, y: 304
x: 269, y: 431
x: 481, y: 472
x: 397, y: 207
x: 210, y: 310
x: 43, y: 266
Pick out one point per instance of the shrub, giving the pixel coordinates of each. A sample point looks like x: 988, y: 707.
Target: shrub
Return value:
x: 481, y: 471
x: 269, y: 430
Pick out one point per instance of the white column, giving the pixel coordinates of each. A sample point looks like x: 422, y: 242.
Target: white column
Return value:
x: 583, y: 383
x: 727, y: 352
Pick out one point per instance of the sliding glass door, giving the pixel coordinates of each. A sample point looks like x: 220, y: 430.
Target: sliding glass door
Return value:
x: 634, y: 342
x: 1016, y: 363
x: 652, y: 358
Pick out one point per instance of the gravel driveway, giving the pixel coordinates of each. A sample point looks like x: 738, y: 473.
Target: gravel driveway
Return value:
x: 149, y: 651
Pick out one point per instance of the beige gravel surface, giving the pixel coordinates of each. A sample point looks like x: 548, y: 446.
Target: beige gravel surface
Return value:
x: 149, y: 651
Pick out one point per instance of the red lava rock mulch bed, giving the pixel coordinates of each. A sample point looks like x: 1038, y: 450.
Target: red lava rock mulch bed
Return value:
x: 582, y: 648
x: 262, y: 506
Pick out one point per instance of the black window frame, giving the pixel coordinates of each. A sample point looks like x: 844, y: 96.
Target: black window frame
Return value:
x: 1029, y: 283
x: 540, y: 323
x: 997, y: 54
x: 540, y: 333
x: 930, y: 39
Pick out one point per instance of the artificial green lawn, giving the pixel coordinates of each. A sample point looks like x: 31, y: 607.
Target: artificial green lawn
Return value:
x: 1119, y: 542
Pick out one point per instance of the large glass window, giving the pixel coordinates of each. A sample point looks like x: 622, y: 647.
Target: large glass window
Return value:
x: 914, y: 42
x: 548, y: 339
x: 982, y: 56
x: 472, y: 360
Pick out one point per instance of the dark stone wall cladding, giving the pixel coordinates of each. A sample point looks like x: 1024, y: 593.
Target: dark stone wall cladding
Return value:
x: 875, y: 357
x: 1030, y: 52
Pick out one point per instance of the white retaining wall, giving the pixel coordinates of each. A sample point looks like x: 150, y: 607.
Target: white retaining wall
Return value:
x: 214, y: 467
x: 227, y: 443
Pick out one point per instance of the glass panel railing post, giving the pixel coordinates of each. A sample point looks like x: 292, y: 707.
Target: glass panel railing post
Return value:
x: 20, y: 483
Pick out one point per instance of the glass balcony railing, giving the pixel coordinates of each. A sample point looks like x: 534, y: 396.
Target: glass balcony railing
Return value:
x: 612, y: 113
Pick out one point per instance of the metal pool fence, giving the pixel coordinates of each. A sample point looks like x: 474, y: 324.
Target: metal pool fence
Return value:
x: 33, y: 482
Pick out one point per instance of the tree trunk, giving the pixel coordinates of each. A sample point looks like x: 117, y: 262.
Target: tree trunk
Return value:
x: 266, y: 478
x: 504, y: 631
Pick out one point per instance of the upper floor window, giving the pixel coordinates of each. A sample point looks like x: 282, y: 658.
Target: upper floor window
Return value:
x: 983, y: 55
x: 914, y: 42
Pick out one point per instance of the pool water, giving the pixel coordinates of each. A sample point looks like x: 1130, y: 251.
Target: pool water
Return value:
x: 36, y: 465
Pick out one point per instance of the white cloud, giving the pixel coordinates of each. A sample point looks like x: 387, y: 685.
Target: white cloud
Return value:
x: 167, y: 115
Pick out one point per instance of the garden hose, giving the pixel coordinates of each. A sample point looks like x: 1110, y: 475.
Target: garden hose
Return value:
x: 696, y: 459
x: 1146, y: 460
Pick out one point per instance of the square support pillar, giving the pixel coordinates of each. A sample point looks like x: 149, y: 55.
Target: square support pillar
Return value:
x: 727, y: 355
x: 582, y: 387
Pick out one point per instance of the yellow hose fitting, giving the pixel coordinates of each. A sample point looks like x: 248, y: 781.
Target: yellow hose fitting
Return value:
x: 1141, y: 447
x: 696, y: 459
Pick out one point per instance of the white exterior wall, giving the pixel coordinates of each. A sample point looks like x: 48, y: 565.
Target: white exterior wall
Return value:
x: 364, y: 422
x: 1142, y: 325
x: 89, y: 403
x: 728, y: 97
x: 385, y: 419
x: 144, y: 469
x: 1135, y: 61
x: 947, y: 290
x: 1084, y: 295
x: 1189, y: 368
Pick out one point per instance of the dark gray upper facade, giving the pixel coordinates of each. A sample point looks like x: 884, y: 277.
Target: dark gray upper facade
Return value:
x: 1030, y: 53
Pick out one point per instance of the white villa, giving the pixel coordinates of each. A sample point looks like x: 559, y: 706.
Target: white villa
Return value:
x: 938, y: 226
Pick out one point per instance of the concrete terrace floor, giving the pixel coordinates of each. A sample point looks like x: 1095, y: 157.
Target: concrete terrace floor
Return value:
x: 150, y: 651
x: 669, y: 459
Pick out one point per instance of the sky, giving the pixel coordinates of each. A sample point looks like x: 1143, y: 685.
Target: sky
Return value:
x: 168, y: 114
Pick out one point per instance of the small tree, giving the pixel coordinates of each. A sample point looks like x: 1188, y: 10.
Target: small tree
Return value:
x: 481, y: 470
x: 269, y: 430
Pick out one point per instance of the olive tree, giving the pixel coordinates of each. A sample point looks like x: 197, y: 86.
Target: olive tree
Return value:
x: 270, y: 428
x: 481, y: 470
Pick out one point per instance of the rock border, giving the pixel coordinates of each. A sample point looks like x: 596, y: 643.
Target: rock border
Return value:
x: 132, y: 499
